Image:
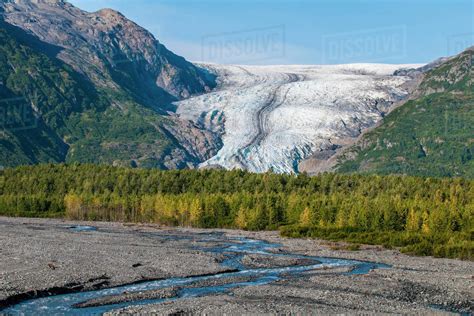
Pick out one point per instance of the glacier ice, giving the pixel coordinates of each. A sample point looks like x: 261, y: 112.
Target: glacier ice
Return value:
x: 277, y: 116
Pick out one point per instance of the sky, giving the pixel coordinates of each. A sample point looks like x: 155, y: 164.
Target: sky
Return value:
x: 303, y: 31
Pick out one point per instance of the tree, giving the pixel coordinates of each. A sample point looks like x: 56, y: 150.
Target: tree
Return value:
x: 413, y: 221
x: 425, y: 226
x: 196, y: 212
x: 341, y: 219
x: 305, y: 217
x: 241, y: 219
x: 74, y: 206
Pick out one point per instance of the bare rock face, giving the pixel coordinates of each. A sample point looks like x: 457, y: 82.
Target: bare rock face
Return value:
x: 447, y: 73
x: 110, y: 50
x: 196, y: 143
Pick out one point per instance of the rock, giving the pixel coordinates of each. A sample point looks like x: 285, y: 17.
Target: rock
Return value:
x: 266, y: 261
x: 197, y: 144
x: 130, y: 297
x: 110, y: 50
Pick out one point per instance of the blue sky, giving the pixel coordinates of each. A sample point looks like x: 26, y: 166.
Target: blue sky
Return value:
x: 303, y: 31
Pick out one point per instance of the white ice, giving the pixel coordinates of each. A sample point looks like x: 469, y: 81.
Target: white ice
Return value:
x: 276, y: 116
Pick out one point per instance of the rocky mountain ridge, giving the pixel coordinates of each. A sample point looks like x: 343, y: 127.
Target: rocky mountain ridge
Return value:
x: 110, y: 50
x: 131, y: 77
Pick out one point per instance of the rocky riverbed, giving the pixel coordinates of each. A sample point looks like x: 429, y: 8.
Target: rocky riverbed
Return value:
x: 46, y: 257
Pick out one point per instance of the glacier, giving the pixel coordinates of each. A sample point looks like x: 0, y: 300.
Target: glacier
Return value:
x: 275, y: 117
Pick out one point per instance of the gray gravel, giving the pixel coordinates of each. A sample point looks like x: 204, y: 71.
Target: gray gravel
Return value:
x: 414, y: 285
x: 253, y: 261
x: 220, y: 281
x: 43, y: 255
x: 40, y: 256
x: 130, y: 297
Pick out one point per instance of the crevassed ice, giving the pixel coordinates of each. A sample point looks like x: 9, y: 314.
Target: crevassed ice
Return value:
x: 276, y: 116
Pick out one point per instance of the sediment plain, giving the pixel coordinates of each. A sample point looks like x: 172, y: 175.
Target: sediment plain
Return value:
x: 42, y: 257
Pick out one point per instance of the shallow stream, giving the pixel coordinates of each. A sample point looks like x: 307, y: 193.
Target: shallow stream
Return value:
x: 233, y: 249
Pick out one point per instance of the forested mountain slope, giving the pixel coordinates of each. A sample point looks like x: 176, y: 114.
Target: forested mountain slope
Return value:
x: 68, y: 118
x: 68, y: 97
x: 431, y: 135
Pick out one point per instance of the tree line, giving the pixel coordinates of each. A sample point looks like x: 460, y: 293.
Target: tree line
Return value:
x: 432, y: 216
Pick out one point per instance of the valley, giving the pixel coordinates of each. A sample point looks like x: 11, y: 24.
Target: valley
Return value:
x: 136, y: 182
x: 121, y: 269
x: 102, y: 89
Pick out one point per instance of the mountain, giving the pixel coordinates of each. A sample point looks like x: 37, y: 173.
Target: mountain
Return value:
x: 430, y: 135
x: 110, y: 50
x: 293, y: 118
x: 93, y: 87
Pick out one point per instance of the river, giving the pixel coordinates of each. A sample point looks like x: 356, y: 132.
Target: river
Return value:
x: 232, y: 249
